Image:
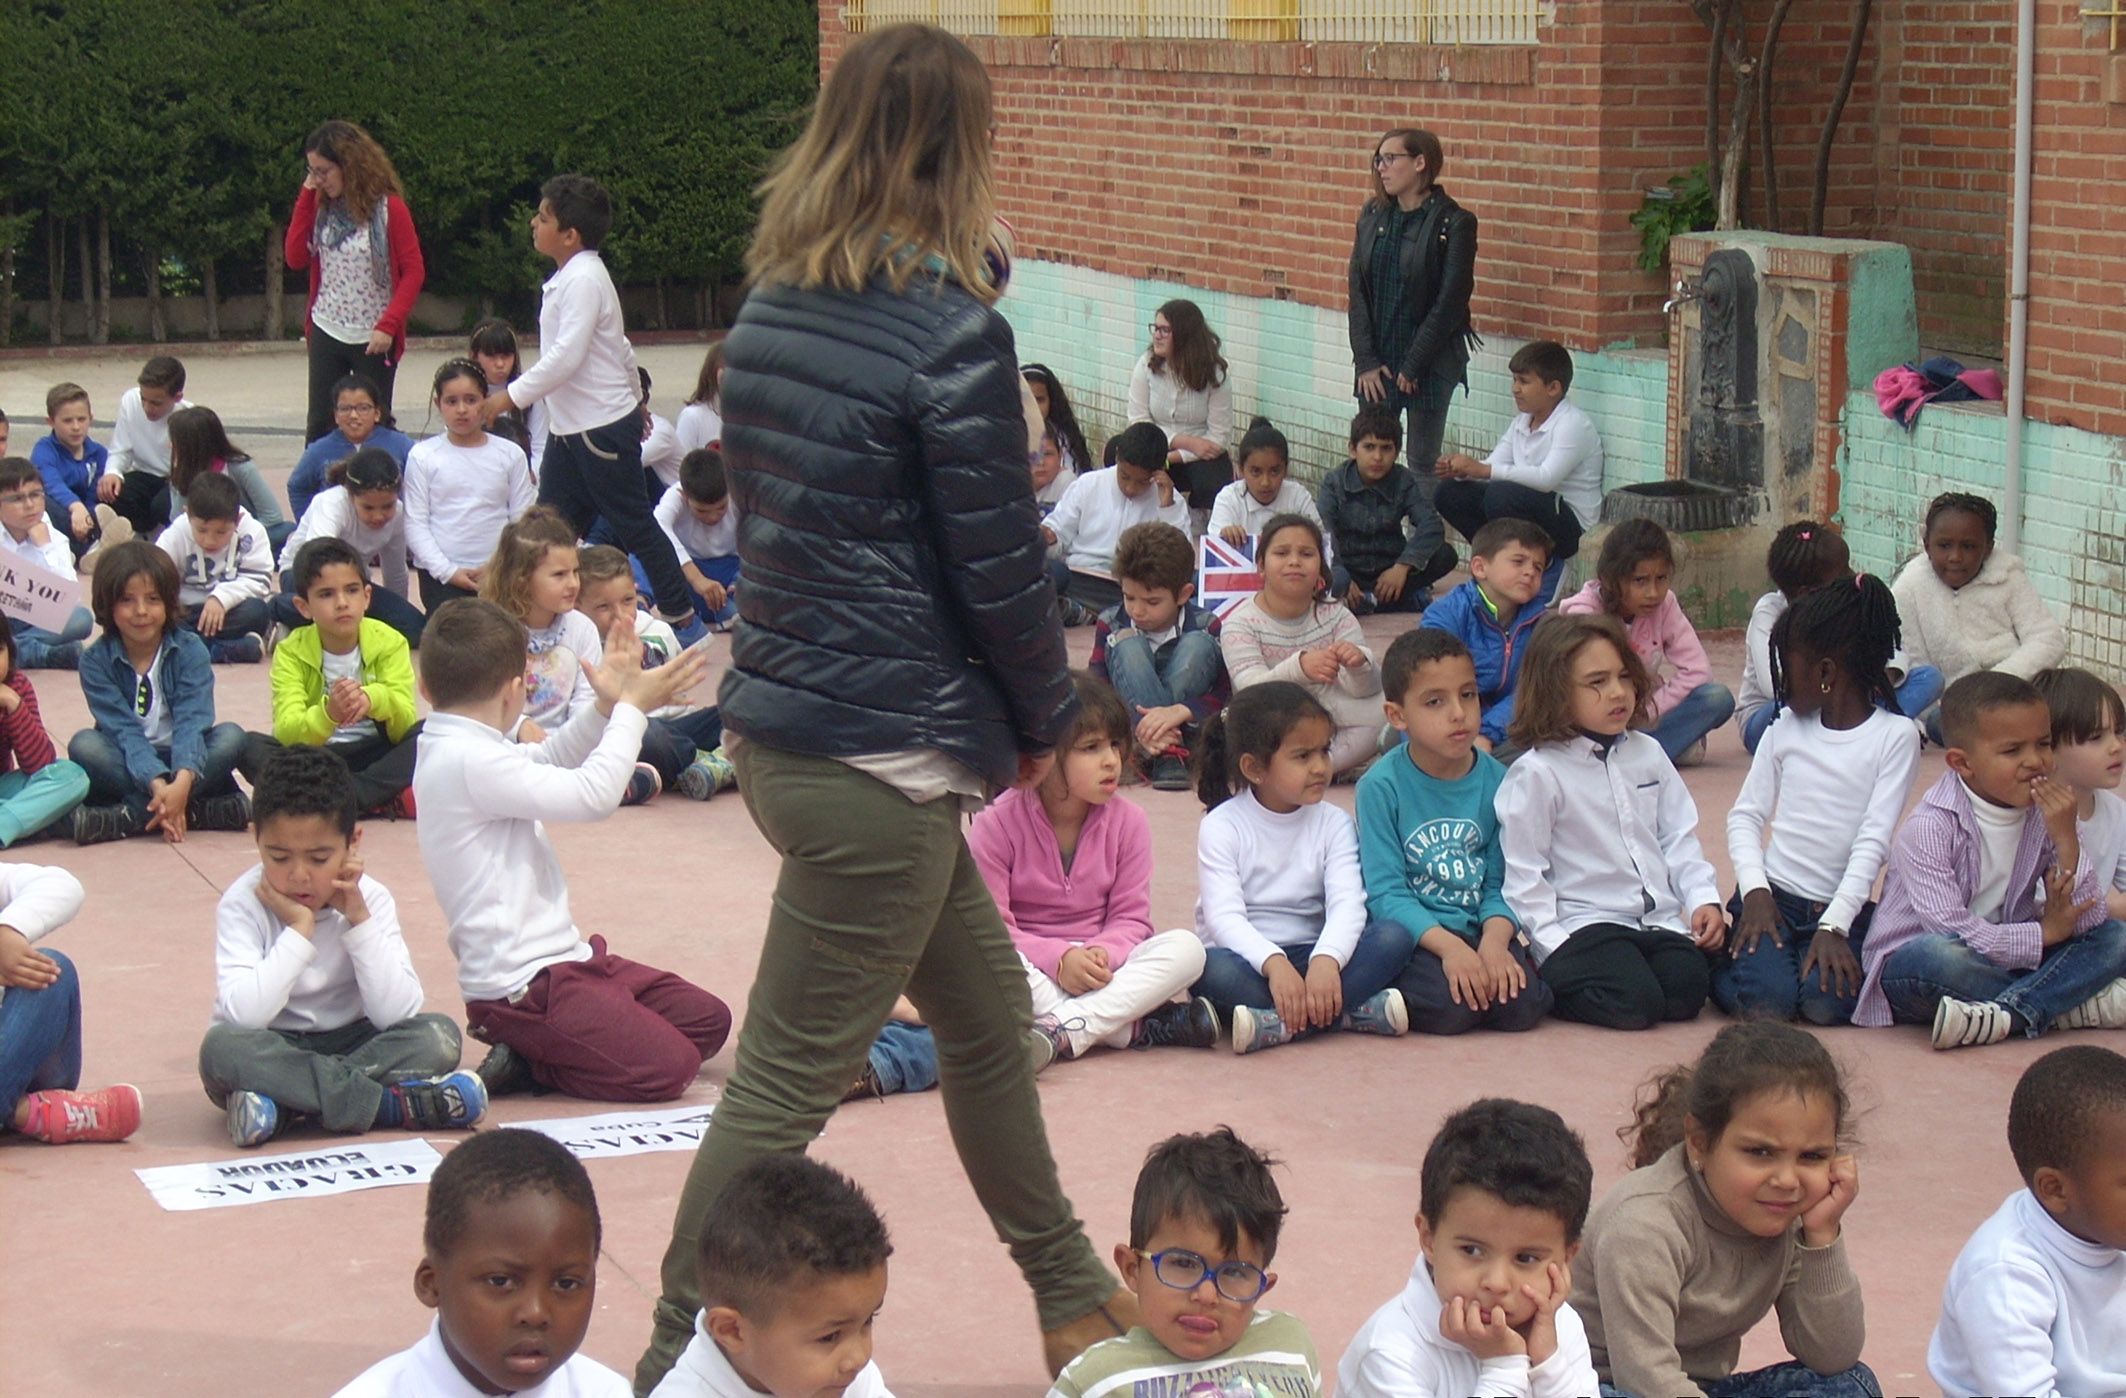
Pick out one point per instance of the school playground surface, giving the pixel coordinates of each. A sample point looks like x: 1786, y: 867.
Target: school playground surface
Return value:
x: 109, y: 1295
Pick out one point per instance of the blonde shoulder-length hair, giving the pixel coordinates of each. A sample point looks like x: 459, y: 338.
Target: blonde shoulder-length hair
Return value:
x: 892, y: 172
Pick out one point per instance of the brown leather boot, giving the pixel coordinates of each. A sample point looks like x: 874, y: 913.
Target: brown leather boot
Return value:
x: 1066, y: 1342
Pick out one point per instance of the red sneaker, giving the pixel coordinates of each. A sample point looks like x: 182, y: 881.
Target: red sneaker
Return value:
x: 60, y: 1117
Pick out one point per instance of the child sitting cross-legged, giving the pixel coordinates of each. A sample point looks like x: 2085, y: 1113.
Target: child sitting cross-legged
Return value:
x: 1087, y: 523
x: 1991, y: 921
x: 317, y: 1008
x: 2089, y: 755
x: 1493, y: 614
x: 509, y: 1264
x: 684, y: 741
x: 792, y: 1266
x: 1160, y: 650
x: 1364, y: 505
x: 1203, y: 1229
x: 38, y: 788
x: 224, y: 571
x: 1428, y: 843
x: 156, y: 758
x: 561, y: 1012
x: 40, y: 1020
x: 26, y: 531
x: 2036, y: 1302
x: 343, y: 682
x: 1830, y: 779
x: 1502, y: 1197
x: 1282, y: 904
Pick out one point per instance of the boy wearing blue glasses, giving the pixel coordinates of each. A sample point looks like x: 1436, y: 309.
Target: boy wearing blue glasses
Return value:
x: 1202, y: 1232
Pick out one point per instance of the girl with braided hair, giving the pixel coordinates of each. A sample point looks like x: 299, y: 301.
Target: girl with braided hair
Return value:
x: 1967, y: 607
x: 1836, y: 771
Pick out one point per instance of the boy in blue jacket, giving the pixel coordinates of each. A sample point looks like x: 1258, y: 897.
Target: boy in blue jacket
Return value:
x: 1493, y: 614
x: 1428, y: 846
x: 72, y: 467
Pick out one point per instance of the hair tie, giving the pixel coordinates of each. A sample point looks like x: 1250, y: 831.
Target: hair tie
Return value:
x: 1806, y: 535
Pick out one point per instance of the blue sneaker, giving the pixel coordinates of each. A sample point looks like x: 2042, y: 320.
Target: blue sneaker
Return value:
x: 254, y: 1119
x: 687, y: 630
x: 449, y: 1103
x: 1255, y: 1029
x: 1385, y: 1014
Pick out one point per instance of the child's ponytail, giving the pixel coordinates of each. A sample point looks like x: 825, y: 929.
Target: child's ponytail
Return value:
x: 1253, y: 724
x: 1214, y: 775
x: 369, y: 469
x: 1262, y: 435
x: 1744, y: 1060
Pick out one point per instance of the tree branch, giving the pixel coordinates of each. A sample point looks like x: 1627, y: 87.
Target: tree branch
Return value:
x: 1863, y: 11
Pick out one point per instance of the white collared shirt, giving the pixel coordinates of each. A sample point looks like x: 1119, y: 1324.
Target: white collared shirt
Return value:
x: 35, y: 899
x: 496, y: 877
x: 585, y: 373
x: 1400, y: 1353
x: 53, y: 554
x: 427, y: 1371
x: 1589, y: 840
x: 704, y: 1371
x: 1564, y: 455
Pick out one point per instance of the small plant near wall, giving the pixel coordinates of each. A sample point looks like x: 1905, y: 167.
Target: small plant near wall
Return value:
x: 1684, y: 205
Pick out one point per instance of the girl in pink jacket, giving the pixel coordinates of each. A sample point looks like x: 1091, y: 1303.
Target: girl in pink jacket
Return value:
x: 1633, y: 580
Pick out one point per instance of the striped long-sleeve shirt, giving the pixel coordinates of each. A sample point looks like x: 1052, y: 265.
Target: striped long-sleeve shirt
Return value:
x: 23, y: 742
x: 1934, y: 873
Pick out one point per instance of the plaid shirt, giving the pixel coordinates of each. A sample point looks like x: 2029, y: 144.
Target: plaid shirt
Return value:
x: 1393, y: 330
x: 1366, y: 519
x: 1933, y: 878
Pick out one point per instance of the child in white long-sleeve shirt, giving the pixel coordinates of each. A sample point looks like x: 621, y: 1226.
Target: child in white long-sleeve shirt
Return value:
x: 684, y: 740
x: 1502, y: 1197
x: 26, y: 532
x: 2036, y: 1302
x: 1088, y: 521
x: 1282, y: 904
x: 40, y: 1020
x: 1262, y: 493
x: 1603, y: 867
x: 461, y: 489
x: 695, y: 514
x: 360, y: 506
x: 224, y: 571
x: 1291, y: 631
x: 317, y: 1008
x: 560, y: 1011
x: 140, y: 444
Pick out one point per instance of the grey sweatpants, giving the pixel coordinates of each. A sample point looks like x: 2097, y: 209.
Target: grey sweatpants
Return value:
x: 336, y: 1076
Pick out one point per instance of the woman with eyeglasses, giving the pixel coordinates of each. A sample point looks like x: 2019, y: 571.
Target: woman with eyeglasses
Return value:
x: 1180, y: 384
x: 357, y: 422
x: 1413, y: 265
x: 352, y: 232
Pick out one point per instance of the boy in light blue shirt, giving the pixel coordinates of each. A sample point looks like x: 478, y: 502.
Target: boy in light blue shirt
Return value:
x: 1428, y: 844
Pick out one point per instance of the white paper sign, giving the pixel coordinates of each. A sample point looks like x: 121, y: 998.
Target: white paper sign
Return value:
x: 626, y: 1133
x: 34, y: 593
x: 260, y: 1179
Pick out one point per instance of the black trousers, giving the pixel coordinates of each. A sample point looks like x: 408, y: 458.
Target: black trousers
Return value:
x: 1202, y: 480
x: 597, y: 475
x: 1470, y: 505
x: 1627, y: 977
x: 144, y: 502
x: 382, y: 769
x: 1433, y: 1011
x: 330, y: 361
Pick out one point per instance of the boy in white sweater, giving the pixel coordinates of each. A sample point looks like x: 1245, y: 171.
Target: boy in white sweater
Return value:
x: 1088, y: 521
x: 26, y: 532
x: 562, y: 1012
x: 136, y: 482
x: 224, y: 571
x: 317, y: 1008
x: 1502, y: 1197
x: 2036, y: 1302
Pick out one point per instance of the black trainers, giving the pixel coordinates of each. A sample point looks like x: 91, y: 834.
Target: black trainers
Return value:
x: 1170, y: 772
x: 449, y: 1103
x: 1193, y: 1025
x: 93, y: 825
x: 505, y: 1072
x: 231, y: 812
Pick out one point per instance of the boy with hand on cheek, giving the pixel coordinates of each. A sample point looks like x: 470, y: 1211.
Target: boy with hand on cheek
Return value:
x: 1202, y: 1231
x: 792, y: 1265
x: 1960, y: 934
x: 1503, y: 1195
x: 510, y: 1267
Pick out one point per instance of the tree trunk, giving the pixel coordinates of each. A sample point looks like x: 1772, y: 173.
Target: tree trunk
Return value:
x: 88, y: 276
x: 1770, y: 172
x: 1863, y: 11
x: 1713, y: 52
x: 664, y: 306
x: 100, y: 332
x: 1737, y: 148
x: 55, y: 275
x: 210, y: 291
x: 276, y: 283
x: 7, y: 295
x: 151, y: 262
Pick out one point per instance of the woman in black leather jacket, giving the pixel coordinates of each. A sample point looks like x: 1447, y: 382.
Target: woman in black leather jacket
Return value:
x: 899, y: 654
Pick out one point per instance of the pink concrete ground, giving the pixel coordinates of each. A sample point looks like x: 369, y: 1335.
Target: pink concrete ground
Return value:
x: 109, y: 1295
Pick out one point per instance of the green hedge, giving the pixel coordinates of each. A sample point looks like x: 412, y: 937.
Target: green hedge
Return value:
x: 180, y: 123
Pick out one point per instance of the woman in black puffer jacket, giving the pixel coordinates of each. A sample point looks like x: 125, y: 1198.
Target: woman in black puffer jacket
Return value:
x: 899, y: 654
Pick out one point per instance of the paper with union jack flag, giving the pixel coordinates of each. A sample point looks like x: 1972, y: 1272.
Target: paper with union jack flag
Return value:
x: 1226, y: 574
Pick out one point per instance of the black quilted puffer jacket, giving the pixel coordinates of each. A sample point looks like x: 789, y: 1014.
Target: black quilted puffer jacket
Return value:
x: 893, y: 591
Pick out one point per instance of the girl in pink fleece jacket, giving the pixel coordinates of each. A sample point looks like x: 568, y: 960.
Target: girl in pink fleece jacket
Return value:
x: 1632, y: 582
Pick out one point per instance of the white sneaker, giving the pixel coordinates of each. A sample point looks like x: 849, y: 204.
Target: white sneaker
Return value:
x: 1255, y: 1029
x: 1968, y: 1023
x: 1692, y: 756
x: 2104, y: 1010
x: 116, y: 528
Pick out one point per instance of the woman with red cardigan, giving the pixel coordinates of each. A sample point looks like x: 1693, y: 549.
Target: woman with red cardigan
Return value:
x: 352, y: 230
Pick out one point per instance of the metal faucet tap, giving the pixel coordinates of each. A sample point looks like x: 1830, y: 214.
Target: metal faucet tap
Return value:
x: 1684, y: 291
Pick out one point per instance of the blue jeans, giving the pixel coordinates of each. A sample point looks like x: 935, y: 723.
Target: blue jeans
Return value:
x: 110, y: 784
x: 1382, y: 952
x: 1788, y: 1380
x: 1922, y: 688
x: 33, y: 643
x: 29, y: 801
x: 1918, y: 975
x: 1767, y: 983
x: 1179, y: 672
x: 1695, y: 715
x: 385, y: 605
x: 40, y: 1037
x: 723, y: 570
x: 904, y: 1058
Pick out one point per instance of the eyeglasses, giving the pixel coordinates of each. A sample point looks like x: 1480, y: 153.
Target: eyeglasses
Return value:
x: 356, y: 410
x: 1183, y: 1270
x: 1157, y: 329
x: 23, y: 497
x: 1390, y: 157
